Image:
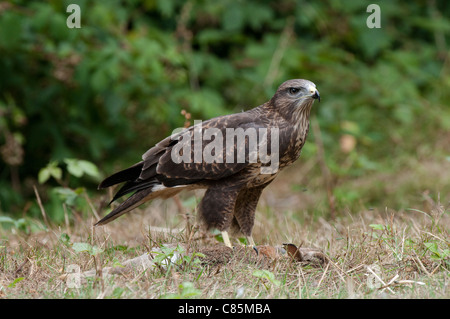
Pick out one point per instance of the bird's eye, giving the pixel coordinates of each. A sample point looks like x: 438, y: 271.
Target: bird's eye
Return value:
x: 293, y: 91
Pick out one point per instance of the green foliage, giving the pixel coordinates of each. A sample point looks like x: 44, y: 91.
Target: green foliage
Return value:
x: 22, y: 225
x: 437, y: 253
x: 65, y: 239
x: 75, y: 167
x: 85, y: 247
x: 175, y: 256
x: 266, y: 275
x: 51, y: 170
x: 185, y: 290
x: 377, y: 226
x: 167, y: 255
x: 78, y: 168
x: 15, y: 282
x: 109, y: 90
x: 66, y: 198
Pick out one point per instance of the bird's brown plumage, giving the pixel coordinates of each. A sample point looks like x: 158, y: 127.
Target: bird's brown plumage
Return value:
x: 233, y: 187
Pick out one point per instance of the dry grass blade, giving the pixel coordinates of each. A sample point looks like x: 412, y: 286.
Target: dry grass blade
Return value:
x: 379, y: 279
x: 93, y: 210
x: 323, y: 276
x: 40, y: 258
x: 41, y: 207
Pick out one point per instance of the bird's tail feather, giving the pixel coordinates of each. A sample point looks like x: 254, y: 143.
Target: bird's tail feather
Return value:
x: 129, y: 174
x: 133, y: 186
x: 130, y: 203
x: 140, y: 197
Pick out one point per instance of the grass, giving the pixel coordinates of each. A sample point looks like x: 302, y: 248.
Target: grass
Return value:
x: 374, y: 252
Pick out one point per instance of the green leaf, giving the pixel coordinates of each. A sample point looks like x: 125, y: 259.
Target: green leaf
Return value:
x: 89, y: 168
x: 66, y: 194
x: 14, y: 283
x: 117, y: 292
x: 95, y: 250
x: 43, y: 175
x: 56, y: 172
x: 73, y: 167
x: 377, y: 226
x: 78, y: 168
x: 433, y: 247
x: 80, y: 247
x: 117, y: 263
x: 6, y: 219
x: 266, y: 274
x: 51, y: 170
x: 65, y: 239
x: 233, y: 18
x: 20, y: 223
x: 85, y: 247
x: 188, y: 290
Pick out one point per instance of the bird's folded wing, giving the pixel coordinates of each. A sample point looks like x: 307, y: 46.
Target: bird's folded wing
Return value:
x: 211, y: 158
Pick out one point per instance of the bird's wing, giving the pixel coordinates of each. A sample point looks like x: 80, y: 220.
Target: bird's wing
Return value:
x: 165, y: 162
x: 158, y: 175
x: 159, y: 168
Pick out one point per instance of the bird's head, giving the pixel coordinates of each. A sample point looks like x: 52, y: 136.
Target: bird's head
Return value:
x: 295, y: 94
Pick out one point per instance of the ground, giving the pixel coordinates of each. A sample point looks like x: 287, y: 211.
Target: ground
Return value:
x: 373, y: 252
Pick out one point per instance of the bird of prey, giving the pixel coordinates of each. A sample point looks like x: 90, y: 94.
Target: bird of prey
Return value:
x: 233, y: 170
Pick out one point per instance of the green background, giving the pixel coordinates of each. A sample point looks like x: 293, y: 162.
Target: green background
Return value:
x: 106, y: 92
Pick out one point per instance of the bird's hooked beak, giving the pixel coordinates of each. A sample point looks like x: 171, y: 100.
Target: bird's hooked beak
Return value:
x: 314, y: 93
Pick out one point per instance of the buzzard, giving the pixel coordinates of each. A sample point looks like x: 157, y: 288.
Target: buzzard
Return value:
x: 246, y: 152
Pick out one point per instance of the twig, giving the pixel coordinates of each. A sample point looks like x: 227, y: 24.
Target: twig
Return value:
x: 379, y: 279
x: 400, y: 282
x: 391, y: 282
x: 340, y: 270
x: 421, y: 265
x: 41, y: 207
x: 66, y: 218
x: 434, y: 270
x: 183, y: 213
x: 97, y: 263
x: 428, y: 233
x: 188, y: 244
x: 21, y: 266
x: 304, y: 282
x: 94, y: 211
x: 354, y: 268
x: 32, y: 267
x: 323, y: 276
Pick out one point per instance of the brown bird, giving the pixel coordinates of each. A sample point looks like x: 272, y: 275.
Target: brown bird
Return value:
x: 244, y: 153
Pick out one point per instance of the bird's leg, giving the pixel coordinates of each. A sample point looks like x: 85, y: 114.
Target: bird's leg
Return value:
x: 226, y: 239
x: 250, y: 241
x: 244, y: 212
